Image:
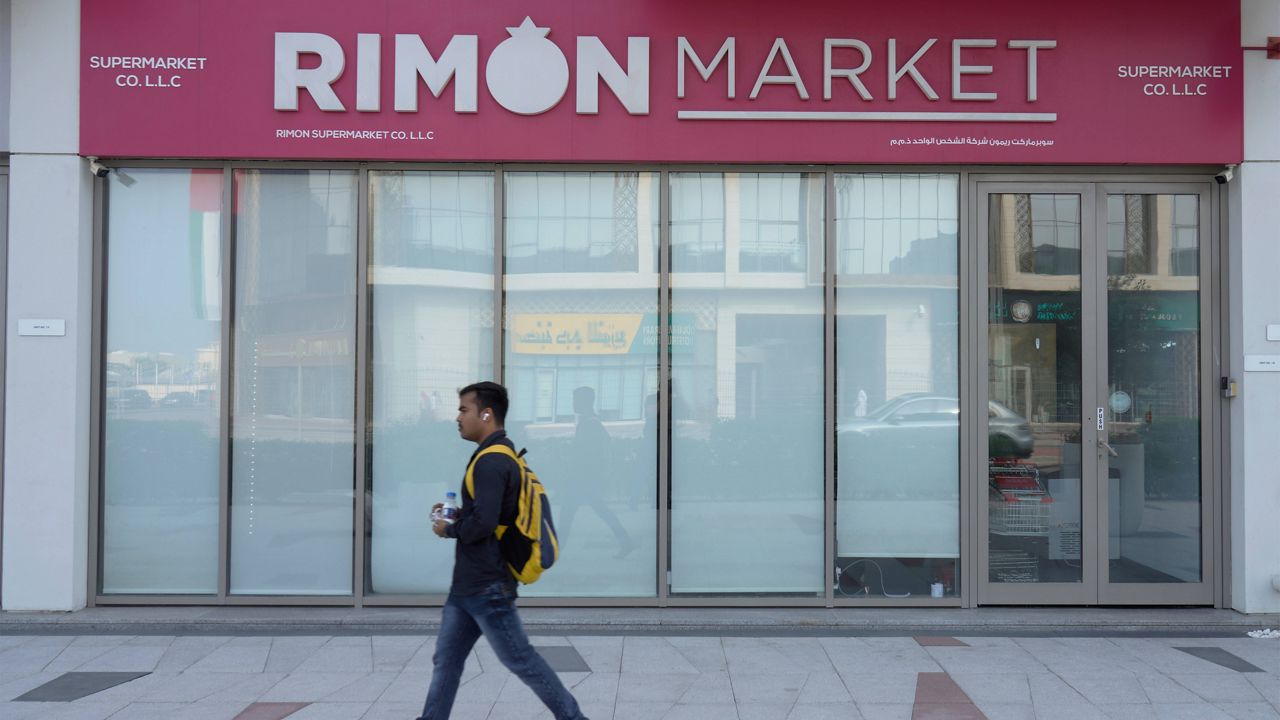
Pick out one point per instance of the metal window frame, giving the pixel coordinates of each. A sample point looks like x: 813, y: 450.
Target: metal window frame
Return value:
x: 972, y: 334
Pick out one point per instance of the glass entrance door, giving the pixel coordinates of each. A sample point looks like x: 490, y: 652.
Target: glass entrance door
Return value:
x: 1094, y: 485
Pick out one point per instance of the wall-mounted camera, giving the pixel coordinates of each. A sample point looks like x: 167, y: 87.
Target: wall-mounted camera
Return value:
x: 96, y: 168
x: 1225, y: 176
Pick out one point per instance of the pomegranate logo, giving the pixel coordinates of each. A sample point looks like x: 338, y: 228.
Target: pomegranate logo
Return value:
x: 527, y: 73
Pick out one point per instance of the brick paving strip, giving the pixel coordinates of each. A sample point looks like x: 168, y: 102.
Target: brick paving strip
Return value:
x: 938, y: 697
x: 270, y: 710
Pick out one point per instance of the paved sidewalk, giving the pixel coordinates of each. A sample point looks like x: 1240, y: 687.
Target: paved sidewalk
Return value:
x: 831, y: 622
x: 651, y: 677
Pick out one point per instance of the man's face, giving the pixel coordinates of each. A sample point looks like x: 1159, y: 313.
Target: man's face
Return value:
x: 470, y: 426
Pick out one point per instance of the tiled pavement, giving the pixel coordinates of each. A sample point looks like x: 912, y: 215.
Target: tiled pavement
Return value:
x: 631, y: 677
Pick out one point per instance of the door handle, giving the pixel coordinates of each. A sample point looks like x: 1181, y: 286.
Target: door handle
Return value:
x: 1109, y: 449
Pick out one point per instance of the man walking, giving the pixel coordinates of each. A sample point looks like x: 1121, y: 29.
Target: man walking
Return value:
x: 482, y: 597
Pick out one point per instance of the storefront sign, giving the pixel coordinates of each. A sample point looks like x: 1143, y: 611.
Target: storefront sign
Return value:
x: 1095, y: 81
x: 596, y: 334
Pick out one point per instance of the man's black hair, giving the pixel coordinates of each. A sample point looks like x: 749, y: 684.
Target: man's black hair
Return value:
x: 489, y: 395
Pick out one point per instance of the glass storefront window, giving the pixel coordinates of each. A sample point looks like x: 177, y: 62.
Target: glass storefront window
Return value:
x: 897, y: 385
x: 161, y: 420
x: 293, y: 383
x: 1153, y: 401
x: 582, y: 369
x: 431, y: 297
x: 1035, y: 477
x: 747, y: 385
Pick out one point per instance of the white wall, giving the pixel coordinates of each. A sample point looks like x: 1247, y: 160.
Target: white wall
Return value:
x: 46, y: 462
x: 1255, y: 257
x: 4, y: 75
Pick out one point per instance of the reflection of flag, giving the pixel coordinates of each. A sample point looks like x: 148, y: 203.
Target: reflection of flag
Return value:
x: 206, y: 245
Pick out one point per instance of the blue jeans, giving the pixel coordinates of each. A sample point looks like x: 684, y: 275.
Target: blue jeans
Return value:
x: 493, y: 614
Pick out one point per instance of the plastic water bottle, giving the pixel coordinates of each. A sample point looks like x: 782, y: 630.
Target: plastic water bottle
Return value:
x: 449, y: 511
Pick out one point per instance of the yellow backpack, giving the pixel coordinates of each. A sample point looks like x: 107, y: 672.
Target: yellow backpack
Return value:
x: 533, y: 547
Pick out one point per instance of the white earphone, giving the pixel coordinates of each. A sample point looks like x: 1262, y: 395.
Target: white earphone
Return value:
x: 484, y: 416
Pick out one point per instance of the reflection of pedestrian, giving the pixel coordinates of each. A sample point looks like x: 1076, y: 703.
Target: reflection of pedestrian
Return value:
x: 860, y: 407
x: 588, y: 465
x: 482, y: 596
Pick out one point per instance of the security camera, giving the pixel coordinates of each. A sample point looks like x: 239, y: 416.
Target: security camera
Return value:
x: 97, y: 169
x: 1225, y: 176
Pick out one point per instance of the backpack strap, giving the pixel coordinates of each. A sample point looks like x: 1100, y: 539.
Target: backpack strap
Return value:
x: 469, y: 482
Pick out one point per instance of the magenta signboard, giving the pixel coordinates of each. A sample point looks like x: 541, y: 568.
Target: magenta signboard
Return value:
x: 747, y: 81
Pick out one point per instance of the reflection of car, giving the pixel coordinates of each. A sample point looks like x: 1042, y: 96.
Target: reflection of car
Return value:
x: 134, y: 398
x: 909, y: 420
x: 179, y: 399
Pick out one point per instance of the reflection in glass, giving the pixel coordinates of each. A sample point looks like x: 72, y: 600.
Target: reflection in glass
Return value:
x: 1034, y: 384
x: 161, y: 417
x: 582, y: 369
x: 431, y: 293
x: 1153, y: 405
x: 897, y: 385
x: 293, y: 422
x: 747, y: 384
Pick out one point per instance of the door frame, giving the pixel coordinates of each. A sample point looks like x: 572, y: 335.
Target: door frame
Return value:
x: 1094, y: 587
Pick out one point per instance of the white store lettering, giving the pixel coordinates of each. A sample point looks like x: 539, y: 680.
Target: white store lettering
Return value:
x: 528, y: 74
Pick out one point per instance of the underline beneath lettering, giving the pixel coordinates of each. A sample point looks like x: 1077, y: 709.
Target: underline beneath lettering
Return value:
x: 864, y: 116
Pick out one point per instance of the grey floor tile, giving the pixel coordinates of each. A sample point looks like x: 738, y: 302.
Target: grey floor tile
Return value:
x: 596, y: 689
x: 244, y: 689
x: 1250, y: 711
x: 823, y: 688
x: 392, y: 652
x: 488, y: 688
x: 366, y: 690
x: 82, y: 710
x: 517, y: 711
x: 1218, y: 656
x: 137, y: 658
x: 824, y: 711
x: 1217, y: 688
x: 603, y: 654
x: 184, y: 652
x: 340, y: 654
x: 995, y: 688
x: 885, y: 711
x: 1268, y: 686
x: 332, y: 711
x: 706, y: 654
x: 392, y: 711
x: 1008, y: 711
x: 75, y: 685
x: 153, y: 711
x: 236, y: 656
x: 287, y: 653
x: 13, y: 684
x: 763, y: 655
x: 190, y: 687
x: 74, y: 656
x: 1114, y: 688
x: 1187, y: 711
x: 1160, y: 689
x: 760, y: 688
x: 881, y: 688
x: 309, y: 687
x: 654, y: 687
x: 749, y: 711
x: 653, y: 655
x: 1122, y: 711
x: 641, y: 710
